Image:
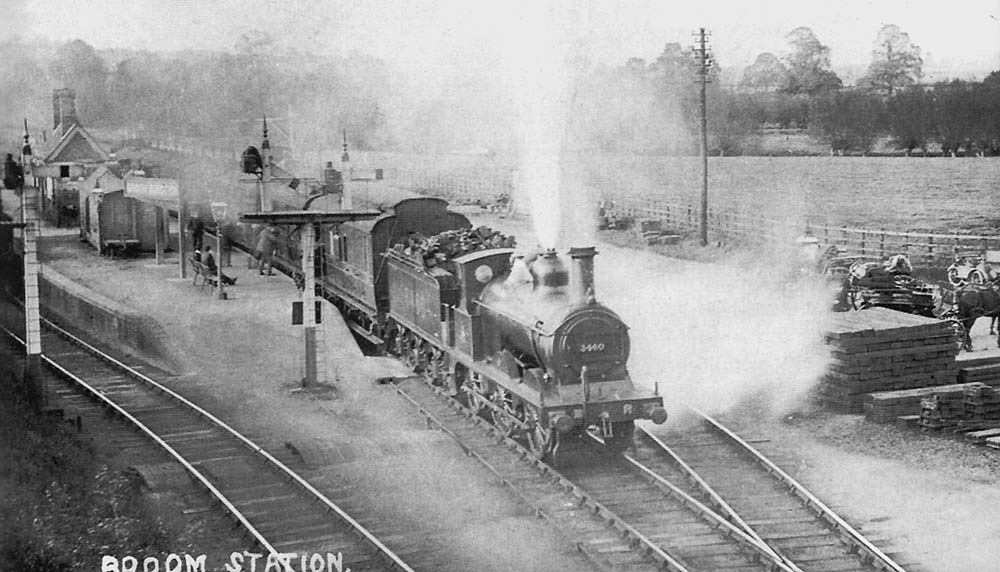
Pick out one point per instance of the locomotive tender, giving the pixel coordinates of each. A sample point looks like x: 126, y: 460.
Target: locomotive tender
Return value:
x: 520, y: 337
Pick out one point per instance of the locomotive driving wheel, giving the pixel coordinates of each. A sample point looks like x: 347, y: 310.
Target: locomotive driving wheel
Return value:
x: 502, y: 413
x: 541, y: 441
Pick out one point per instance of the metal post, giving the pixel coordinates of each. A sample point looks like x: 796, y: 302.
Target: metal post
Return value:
x: 219, y: 294
x: 182, y: 221
x: 158, y: 219
x: 309, y: 303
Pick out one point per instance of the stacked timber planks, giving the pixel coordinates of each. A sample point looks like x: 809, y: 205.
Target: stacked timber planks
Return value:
x: 984, y: 370
x: 887, y: 406
x: 885, y: 350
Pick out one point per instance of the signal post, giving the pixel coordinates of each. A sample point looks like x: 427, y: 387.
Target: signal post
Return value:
x: 308, y: 223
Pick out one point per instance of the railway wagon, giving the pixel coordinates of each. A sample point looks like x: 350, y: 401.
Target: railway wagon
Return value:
x: 112, y: 222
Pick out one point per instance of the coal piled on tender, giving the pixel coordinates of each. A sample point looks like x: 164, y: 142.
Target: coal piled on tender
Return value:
x: 450, y: 244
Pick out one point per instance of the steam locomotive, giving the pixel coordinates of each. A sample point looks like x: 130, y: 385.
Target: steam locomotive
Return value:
x: 519, y: 336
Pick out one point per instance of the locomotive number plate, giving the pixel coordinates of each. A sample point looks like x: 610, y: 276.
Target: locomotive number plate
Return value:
x: 591, y: 348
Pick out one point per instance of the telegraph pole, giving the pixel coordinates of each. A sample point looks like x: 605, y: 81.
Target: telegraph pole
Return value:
x: 704, y: 65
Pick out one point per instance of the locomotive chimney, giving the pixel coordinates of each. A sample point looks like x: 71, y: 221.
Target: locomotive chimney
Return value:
x: 582, y: 274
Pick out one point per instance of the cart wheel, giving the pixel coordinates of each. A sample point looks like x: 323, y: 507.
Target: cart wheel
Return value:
x: 953, y: 277
x: 959, y: 330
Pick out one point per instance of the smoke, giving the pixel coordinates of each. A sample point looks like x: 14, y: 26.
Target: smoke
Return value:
x: 536, y: 58
x: 714, y: 336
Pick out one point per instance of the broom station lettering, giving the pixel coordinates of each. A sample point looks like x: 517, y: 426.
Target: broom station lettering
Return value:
x: 238, y: 562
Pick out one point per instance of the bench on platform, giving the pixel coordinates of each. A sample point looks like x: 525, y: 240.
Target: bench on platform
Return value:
x: 207, y: 276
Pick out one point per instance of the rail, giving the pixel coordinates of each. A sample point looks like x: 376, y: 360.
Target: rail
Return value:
x: 391, y: 556
x: 195, y: 473
x: 875, y: 556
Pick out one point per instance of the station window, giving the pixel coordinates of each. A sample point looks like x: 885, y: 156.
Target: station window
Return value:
x: 64, y: 171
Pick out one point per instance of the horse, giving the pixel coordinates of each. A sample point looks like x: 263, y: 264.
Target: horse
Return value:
x: 974, y: 301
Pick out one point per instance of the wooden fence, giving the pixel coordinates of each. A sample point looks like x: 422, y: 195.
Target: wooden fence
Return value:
x: 923, y: 248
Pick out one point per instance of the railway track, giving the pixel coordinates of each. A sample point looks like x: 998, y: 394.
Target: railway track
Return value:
x: 277, y: 508
x: 653, y: 510
x: 737, y: 480
x: 648, y: 531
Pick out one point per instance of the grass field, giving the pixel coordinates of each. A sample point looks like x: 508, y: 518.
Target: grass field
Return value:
x: 898, y: 193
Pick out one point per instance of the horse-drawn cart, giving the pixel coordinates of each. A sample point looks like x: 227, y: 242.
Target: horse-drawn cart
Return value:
x: 867, y: 283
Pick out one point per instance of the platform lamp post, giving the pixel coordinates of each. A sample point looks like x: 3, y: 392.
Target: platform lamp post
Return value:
x: 219, y: 215
x: 14, y: 178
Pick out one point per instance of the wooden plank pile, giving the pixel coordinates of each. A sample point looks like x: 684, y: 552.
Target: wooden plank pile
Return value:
x: 888, y: 406
x: 652, y: 232
x: 880, y: 349
x: 987, y: 372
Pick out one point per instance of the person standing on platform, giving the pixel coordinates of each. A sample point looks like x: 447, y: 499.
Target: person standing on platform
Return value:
x: 197, y: 231
x: 267, y: 243
x: 208, y: 259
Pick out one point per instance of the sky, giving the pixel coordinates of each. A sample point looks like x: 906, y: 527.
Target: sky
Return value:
x: 438, y: 37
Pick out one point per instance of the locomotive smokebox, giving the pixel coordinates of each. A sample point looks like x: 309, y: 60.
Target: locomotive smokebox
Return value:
x: 582, y: 275
x: 549, y: 274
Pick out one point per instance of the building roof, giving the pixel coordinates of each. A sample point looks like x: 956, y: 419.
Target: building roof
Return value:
x: 77, y: 146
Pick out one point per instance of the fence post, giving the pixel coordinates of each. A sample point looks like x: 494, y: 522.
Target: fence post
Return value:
x: 930, y: 250
x: 906, y: 244
x: 864, y: 246
x: 881, y: 245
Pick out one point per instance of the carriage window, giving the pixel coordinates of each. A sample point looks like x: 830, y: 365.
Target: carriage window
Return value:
x: 338, y: 244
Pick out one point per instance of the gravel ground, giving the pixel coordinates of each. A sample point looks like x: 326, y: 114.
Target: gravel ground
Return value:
x: 742, y: 341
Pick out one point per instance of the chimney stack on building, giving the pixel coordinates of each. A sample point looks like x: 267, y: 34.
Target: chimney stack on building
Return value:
x: 63, y: 110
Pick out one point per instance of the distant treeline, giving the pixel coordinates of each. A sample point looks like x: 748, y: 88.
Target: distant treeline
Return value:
x: 637, y: 107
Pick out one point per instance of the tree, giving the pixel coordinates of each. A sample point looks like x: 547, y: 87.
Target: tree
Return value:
x: 809, y: 64
x: 766, y: 73
x: 910, y: 119
x: 847, y: 120
x: 896, y: 62
x: 957, y: 114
